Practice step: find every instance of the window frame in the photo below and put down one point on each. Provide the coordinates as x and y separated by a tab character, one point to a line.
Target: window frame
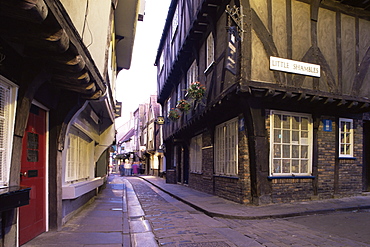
192	74
302	142
351	138
210	51
226	145
175	23
6	140
79	156
195	154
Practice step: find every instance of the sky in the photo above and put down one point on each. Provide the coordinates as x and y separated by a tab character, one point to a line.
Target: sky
134	86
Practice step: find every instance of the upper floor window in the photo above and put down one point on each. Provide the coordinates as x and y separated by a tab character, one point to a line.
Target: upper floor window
161	61
192	74
226	148
168	105
196	154
290	144
345	137
8	92
210	52
175	22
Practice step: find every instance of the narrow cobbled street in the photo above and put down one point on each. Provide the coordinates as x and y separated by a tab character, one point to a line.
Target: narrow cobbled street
146	212
177	224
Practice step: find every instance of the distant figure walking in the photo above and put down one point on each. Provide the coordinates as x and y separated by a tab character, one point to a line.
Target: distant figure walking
121	169
135	167
128	168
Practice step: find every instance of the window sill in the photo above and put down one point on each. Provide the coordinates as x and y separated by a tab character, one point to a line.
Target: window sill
291	177
209	68
75	190
347	158
225	176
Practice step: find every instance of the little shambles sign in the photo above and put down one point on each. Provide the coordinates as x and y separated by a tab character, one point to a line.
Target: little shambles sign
295	67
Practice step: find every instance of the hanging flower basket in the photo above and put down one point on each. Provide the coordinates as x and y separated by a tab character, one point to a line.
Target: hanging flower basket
196	90
183	105
174	114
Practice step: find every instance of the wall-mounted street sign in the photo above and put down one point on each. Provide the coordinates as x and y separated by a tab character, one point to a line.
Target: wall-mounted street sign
295	67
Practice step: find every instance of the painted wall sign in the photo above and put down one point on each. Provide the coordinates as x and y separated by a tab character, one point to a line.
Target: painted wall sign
296	67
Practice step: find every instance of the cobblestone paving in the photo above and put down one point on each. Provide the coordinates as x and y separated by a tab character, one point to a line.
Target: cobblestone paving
279	232
176	224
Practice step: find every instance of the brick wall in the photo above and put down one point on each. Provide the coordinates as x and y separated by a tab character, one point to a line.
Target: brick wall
291	190
327	154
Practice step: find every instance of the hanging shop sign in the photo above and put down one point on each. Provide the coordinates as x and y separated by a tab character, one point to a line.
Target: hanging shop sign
295	67
231	51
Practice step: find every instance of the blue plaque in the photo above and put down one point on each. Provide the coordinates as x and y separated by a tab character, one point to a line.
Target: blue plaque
328	125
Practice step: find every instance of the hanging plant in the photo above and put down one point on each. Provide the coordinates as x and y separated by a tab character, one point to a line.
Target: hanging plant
196	90
183	105
174	114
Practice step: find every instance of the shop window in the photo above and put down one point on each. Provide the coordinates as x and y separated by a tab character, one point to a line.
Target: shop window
345	137
79	156
8	93
226	148
196	154
290	144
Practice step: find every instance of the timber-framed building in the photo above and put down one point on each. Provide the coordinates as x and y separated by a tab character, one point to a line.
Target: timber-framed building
58	65
284	113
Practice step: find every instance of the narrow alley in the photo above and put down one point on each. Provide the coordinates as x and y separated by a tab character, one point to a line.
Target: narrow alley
138	211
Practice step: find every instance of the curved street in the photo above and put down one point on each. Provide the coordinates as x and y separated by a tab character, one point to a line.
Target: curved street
134	212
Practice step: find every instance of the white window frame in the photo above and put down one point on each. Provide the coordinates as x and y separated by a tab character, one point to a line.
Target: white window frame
286	138
195	154
226	148
210	51
169	105
7	117
192	74
347	139
161	62
79	157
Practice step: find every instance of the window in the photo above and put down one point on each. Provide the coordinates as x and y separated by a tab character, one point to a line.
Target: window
161	62
290	144
79	156
8	93
168	105
192	74
175	22
226	148
345	137
196	154
210	52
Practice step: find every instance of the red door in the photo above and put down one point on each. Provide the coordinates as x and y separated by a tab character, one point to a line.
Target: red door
32	219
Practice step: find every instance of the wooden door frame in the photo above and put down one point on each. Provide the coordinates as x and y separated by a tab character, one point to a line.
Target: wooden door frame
366	157
36	103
